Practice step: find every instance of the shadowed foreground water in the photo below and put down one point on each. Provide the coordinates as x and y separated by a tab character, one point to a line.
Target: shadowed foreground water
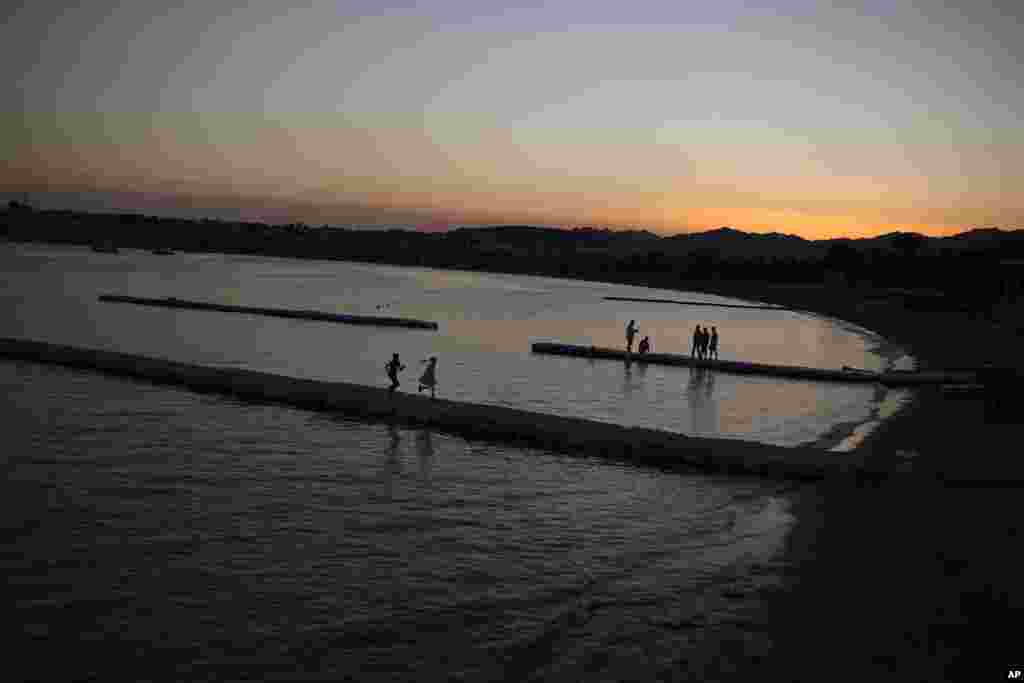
159	534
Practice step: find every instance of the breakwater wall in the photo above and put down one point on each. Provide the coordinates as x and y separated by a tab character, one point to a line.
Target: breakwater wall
171	302
474	421
895	379
684	302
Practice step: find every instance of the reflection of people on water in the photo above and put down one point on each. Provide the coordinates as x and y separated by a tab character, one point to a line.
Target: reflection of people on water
396	438
702	380
429	378
424	450
641	371
629	381
696	378
396	442
699	395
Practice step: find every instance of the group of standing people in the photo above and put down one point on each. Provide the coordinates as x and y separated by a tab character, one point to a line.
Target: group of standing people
428	380
705	343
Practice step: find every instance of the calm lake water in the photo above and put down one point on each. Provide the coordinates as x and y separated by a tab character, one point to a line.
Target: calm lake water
160	534
487	323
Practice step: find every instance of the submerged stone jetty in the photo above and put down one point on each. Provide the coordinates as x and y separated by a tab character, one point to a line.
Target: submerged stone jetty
475	421
171	302
895	378
683	302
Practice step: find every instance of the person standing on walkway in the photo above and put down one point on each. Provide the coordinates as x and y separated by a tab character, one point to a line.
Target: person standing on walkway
429	378
393	367
713	346
696	342
631	330
645	345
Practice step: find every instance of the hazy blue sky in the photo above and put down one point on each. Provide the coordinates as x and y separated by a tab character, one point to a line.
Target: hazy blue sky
793	116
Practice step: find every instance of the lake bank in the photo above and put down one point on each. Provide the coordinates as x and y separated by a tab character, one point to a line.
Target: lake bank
937	340
910	578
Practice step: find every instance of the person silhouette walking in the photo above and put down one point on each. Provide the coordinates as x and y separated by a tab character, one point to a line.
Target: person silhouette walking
631	330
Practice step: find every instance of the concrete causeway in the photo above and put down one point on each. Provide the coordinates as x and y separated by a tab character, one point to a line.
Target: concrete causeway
683	302
894	379
474	421
171	302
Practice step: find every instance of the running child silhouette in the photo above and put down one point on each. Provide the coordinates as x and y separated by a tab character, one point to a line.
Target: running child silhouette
393	367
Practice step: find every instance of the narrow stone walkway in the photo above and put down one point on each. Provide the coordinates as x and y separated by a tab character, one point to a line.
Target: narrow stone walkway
893	379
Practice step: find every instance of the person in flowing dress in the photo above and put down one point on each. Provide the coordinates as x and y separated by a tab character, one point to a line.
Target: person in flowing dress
429	378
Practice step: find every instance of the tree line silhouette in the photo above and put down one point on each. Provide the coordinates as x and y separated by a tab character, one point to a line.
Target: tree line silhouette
959	272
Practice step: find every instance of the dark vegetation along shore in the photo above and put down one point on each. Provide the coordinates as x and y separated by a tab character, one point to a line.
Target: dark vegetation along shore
958	273
897	579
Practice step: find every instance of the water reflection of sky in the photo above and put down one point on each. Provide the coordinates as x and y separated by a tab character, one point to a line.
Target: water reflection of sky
487	323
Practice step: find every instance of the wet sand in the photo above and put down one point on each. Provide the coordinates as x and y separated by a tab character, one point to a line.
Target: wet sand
909	578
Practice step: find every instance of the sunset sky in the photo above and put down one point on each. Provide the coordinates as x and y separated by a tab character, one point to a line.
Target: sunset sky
791	116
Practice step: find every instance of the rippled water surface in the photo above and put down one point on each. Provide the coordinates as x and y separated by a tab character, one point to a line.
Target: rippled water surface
162	534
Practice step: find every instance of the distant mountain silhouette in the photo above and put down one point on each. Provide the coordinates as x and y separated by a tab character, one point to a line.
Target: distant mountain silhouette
732	243
980	237
738	244
587	249
723	242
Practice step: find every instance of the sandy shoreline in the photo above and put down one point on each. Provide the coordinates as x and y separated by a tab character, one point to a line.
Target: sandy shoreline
934	340
908	578
886	401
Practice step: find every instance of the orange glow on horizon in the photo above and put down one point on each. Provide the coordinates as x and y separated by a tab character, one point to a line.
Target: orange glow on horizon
810	226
